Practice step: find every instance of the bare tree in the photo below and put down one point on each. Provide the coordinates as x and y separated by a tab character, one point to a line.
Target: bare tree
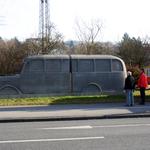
88	34
53	41
11	56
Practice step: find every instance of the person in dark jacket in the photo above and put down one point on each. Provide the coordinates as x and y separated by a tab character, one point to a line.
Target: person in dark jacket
129	88
142	84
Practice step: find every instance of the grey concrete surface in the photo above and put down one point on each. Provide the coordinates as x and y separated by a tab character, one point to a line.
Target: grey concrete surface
72	112
64	74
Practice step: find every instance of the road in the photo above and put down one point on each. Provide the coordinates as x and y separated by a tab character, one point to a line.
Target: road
104	134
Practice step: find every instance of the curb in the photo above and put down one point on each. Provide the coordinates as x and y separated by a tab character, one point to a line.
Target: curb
37	119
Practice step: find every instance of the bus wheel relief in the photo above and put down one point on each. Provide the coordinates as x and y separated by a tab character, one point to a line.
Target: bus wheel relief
9	90
92	88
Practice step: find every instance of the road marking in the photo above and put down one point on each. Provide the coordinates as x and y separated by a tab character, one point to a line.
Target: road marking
51	140
124	125
65	128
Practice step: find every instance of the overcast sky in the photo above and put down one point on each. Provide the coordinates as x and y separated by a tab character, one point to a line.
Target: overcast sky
20	18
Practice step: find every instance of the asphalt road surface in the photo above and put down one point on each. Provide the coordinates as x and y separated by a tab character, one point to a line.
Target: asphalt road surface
107	134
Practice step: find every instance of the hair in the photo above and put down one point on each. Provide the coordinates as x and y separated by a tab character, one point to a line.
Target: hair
142	69
129	73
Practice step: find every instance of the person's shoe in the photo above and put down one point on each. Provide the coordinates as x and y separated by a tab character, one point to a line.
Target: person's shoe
127	105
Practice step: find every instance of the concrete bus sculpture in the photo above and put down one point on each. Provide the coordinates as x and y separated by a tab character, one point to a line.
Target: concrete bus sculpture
64	74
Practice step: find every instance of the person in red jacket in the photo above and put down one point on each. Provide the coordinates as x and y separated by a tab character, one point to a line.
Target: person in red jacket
142	84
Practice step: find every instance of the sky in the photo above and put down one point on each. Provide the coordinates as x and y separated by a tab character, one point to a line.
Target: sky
20	18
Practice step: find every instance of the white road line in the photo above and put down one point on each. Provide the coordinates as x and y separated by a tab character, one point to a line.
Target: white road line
124	125
51	140
67	128
91	127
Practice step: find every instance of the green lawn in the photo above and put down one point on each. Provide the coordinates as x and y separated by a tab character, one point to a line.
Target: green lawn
69	99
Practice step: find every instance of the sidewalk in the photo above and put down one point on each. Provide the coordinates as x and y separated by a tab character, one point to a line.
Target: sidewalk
72	112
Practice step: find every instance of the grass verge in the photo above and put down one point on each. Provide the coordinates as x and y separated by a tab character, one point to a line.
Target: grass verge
69	99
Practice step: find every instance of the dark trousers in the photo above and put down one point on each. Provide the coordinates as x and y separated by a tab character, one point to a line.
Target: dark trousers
142	93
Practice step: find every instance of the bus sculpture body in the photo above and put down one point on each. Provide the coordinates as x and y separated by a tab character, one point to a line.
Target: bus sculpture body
66	75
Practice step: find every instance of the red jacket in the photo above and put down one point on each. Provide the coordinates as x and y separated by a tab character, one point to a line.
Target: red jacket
142	81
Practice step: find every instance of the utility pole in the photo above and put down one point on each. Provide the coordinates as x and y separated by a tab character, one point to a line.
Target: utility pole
44	25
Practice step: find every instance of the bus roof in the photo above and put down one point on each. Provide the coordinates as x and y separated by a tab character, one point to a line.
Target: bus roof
93	57
72	56
48	57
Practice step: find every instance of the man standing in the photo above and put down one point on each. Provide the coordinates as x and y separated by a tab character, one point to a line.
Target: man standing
129	87
142	84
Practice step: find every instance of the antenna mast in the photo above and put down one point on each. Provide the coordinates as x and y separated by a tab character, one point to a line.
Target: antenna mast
44	24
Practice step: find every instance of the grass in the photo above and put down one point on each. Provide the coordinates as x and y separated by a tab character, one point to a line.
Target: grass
69	99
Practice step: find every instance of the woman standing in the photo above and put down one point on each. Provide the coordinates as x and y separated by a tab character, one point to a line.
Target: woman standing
129	88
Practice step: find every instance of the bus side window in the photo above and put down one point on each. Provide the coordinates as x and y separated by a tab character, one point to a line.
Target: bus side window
86	65
74	65
26	67
116	65
65	65
103	65
53	65
35	66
